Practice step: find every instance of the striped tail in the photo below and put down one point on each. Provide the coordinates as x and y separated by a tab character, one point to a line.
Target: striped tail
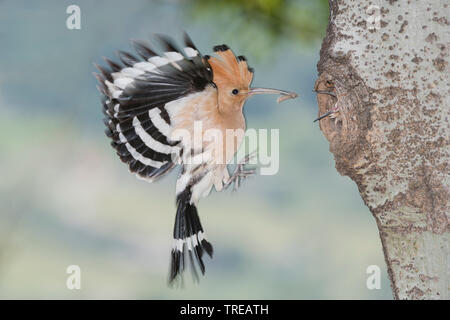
188	234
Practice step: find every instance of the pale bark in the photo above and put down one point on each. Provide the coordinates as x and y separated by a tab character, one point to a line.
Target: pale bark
391	135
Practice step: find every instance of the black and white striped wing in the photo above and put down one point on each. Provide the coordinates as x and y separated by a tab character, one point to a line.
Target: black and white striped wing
135	95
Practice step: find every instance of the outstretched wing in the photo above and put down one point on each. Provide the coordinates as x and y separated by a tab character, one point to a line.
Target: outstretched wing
135	94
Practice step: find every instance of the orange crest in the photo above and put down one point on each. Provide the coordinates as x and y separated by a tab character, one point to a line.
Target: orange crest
230	71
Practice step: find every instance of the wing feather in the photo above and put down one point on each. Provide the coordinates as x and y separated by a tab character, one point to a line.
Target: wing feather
136	92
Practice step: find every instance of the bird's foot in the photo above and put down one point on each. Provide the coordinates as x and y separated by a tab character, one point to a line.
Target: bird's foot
238	176
240	173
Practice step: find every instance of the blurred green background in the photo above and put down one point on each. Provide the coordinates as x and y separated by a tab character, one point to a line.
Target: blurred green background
65	198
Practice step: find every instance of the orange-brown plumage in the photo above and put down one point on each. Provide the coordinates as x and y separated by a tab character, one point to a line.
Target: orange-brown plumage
229	69
219	108
230	73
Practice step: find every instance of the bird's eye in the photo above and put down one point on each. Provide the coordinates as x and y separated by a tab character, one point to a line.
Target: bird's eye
235	91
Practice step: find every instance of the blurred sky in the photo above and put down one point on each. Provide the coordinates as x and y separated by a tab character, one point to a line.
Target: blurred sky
65	198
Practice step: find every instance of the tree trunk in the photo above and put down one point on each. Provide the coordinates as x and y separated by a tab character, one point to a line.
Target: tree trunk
386	63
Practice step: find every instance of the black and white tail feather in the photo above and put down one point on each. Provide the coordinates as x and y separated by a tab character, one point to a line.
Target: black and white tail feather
188	238
135	97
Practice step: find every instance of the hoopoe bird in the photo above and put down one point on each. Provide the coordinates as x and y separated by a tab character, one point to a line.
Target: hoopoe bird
149	101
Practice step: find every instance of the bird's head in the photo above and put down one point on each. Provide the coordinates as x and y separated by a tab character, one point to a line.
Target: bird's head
233	77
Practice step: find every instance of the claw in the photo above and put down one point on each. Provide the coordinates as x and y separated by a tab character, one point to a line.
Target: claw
240	173
249	157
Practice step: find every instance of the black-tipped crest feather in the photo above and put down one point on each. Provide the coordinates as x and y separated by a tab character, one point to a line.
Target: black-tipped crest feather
222	47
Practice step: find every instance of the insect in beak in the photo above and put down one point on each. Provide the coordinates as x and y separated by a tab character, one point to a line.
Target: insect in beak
285	95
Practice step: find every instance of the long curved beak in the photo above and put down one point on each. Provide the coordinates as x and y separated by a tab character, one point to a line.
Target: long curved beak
284	94
253	91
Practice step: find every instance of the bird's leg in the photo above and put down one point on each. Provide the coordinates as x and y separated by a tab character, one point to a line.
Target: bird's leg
240	172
